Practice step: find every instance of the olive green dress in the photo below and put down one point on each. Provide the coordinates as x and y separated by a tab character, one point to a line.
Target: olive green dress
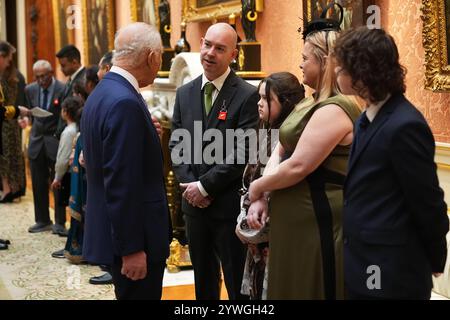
306	253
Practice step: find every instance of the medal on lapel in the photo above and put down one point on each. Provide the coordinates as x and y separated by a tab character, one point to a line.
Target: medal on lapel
223	112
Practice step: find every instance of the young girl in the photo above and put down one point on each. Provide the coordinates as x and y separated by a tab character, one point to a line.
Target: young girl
69	111
279	93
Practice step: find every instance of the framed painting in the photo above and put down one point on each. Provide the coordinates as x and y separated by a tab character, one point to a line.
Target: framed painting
436	42
64	34
98	29
355	11
145	11
203	10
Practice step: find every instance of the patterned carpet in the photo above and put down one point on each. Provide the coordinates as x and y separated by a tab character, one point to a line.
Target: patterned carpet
28	272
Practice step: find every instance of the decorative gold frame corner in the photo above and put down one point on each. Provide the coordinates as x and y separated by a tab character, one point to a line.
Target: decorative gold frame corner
134	11
56	4
435	43
191	13
110	26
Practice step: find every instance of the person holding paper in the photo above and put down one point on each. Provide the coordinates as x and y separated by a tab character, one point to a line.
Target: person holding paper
43	145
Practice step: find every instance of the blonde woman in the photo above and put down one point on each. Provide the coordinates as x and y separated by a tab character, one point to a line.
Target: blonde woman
305	177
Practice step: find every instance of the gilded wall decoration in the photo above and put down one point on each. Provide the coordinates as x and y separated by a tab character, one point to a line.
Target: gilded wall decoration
203	10
436	42
145	11
99	29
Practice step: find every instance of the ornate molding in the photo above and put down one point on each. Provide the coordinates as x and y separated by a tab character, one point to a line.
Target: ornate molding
136	7
437	68
191	12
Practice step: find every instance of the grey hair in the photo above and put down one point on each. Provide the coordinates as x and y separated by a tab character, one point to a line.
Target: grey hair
42	64
143	36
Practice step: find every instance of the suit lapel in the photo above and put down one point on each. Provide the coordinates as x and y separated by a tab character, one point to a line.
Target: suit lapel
224	98
380	119
195	96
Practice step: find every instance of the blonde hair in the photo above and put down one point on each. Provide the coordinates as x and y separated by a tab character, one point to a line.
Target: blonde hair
323	43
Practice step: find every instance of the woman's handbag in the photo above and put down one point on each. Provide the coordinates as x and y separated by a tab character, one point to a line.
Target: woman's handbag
244	231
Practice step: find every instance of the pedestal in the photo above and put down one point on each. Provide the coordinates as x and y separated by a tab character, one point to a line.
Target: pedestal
249	60
167	56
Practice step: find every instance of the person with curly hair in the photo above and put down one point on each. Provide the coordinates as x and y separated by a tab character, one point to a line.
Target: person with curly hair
395	217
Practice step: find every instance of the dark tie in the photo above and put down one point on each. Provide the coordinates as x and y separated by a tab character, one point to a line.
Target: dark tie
67	88
361	129
209	88
45	100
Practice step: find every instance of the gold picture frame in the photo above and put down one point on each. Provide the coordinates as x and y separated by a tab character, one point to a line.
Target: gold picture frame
63	34
98	29
139	15
210	10
355	14
436	42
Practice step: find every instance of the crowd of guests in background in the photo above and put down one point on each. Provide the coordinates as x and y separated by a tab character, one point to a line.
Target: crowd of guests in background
351	182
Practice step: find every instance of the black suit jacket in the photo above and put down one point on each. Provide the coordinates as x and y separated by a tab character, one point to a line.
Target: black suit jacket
68	89
43	129
221	181
68	92
395	216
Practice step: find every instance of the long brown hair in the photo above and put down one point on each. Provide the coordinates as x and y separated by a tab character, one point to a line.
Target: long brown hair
289	92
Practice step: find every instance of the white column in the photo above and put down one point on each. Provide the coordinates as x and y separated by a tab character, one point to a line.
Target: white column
2	20
21	37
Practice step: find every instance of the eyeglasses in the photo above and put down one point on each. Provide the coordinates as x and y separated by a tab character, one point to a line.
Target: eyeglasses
43	76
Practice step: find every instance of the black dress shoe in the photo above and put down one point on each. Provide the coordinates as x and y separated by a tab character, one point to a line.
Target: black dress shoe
58	254
8	198
5	241
40	227
103	279
3	246
105	268
59	229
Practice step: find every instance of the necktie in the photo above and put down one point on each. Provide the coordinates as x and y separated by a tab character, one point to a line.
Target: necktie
208	90
45	100
361	130
67	89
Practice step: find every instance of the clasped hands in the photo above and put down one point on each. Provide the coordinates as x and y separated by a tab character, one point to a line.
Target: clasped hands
193	195
258	212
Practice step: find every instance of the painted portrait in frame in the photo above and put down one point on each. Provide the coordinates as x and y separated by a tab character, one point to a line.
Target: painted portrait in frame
436	43
145	11
63	34
99	29
203	10
355	11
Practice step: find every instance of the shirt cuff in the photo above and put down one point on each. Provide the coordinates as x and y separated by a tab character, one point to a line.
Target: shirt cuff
202	190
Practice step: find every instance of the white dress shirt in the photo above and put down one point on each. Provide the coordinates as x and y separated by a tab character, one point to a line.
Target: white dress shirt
372	110
128	76
218	84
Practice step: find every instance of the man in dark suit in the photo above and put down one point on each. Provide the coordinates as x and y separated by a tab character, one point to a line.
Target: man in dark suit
126	194
43	145
69	59
395	217
220	100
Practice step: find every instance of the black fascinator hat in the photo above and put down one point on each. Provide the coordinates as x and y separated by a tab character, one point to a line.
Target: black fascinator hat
323	23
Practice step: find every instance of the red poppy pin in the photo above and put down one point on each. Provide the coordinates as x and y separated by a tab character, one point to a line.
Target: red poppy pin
56	102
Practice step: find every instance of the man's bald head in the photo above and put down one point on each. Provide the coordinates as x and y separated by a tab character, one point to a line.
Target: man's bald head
218	50
225	30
